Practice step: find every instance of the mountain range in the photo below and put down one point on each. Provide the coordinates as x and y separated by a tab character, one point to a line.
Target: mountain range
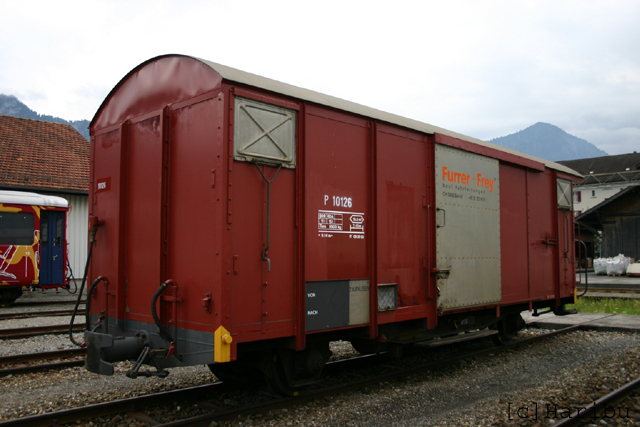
12	106
540	140
549	142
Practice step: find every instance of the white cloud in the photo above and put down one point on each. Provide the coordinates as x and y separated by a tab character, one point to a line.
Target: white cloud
485	68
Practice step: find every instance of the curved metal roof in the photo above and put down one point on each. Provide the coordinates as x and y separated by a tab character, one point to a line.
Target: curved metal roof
238	76
24	198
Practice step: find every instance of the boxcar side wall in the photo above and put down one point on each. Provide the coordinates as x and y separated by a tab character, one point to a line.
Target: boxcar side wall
377	200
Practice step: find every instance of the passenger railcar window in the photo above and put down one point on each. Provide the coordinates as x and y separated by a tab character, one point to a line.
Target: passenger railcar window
264	133
16	228
59	230
44	230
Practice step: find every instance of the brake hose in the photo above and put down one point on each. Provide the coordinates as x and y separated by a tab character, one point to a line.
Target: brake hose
84	279
164	332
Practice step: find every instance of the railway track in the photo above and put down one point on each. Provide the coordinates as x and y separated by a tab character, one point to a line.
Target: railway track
22	363
136	407
43	302
617	290
7	334
602	408
30	314
610	293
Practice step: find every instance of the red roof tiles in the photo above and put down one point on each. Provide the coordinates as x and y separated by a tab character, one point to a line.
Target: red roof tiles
42	155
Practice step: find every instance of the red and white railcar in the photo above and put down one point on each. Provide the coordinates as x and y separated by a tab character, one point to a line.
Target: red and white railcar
33	243
244	221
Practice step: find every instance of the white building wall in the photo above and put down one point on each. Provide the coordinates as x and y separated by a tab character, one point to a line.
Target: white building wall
592	195
78	232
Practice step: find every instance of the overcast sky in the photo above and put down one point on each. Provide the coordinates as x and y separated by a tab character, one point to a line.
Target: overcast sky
481	68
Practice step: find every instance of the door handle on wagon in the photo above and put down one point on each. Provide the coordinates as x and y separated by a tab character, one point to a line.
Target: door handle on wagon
444	218
546	241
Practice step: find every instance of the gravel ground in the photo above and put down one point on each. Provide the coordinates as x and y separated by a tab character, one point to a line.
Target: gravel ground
565	372
43	295
63	301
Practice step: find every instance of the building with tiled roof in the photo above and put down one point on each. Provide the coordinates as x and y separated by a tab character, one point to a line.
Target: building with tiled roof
604	177
49	158
43	156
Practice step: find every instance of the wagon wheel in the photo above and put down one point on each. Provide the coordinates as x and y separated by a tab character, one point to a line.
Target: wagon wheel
291	372
221	371
501	339
233	372
507	328
275	374
368	346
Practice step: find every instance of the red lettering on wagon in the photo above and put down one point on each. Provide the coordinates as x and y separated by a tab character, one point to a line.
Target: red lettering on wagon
466	179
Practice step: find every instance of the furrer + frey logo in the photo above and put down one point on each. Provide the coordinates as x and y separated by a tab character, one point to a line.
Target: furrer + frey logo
466	179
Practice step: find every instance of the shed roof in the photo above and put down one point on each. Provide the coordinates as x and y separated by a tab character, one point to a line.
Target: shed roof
607	169
592	216
41	155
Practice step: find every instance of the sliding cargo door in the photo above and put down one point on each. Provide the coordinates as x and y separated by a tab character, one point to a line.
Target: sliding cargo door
468	228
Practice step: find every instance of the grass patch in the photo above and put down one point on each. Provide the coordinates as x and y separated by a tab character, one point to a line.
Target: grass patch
607	305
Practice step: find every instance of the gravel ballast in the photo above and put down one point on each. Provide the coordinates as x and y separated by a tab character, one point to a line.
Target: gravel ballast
565	371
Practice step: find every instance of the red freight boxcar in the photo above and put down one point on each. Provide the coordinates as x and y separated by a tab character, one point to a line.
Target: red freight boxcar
243	221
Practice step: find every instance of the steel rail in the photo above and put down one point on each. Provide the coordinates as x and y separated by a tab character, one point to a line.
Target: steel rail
39	330
136	404
29	314
597	410
43	302
115	407
612	290
49	355
40	367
